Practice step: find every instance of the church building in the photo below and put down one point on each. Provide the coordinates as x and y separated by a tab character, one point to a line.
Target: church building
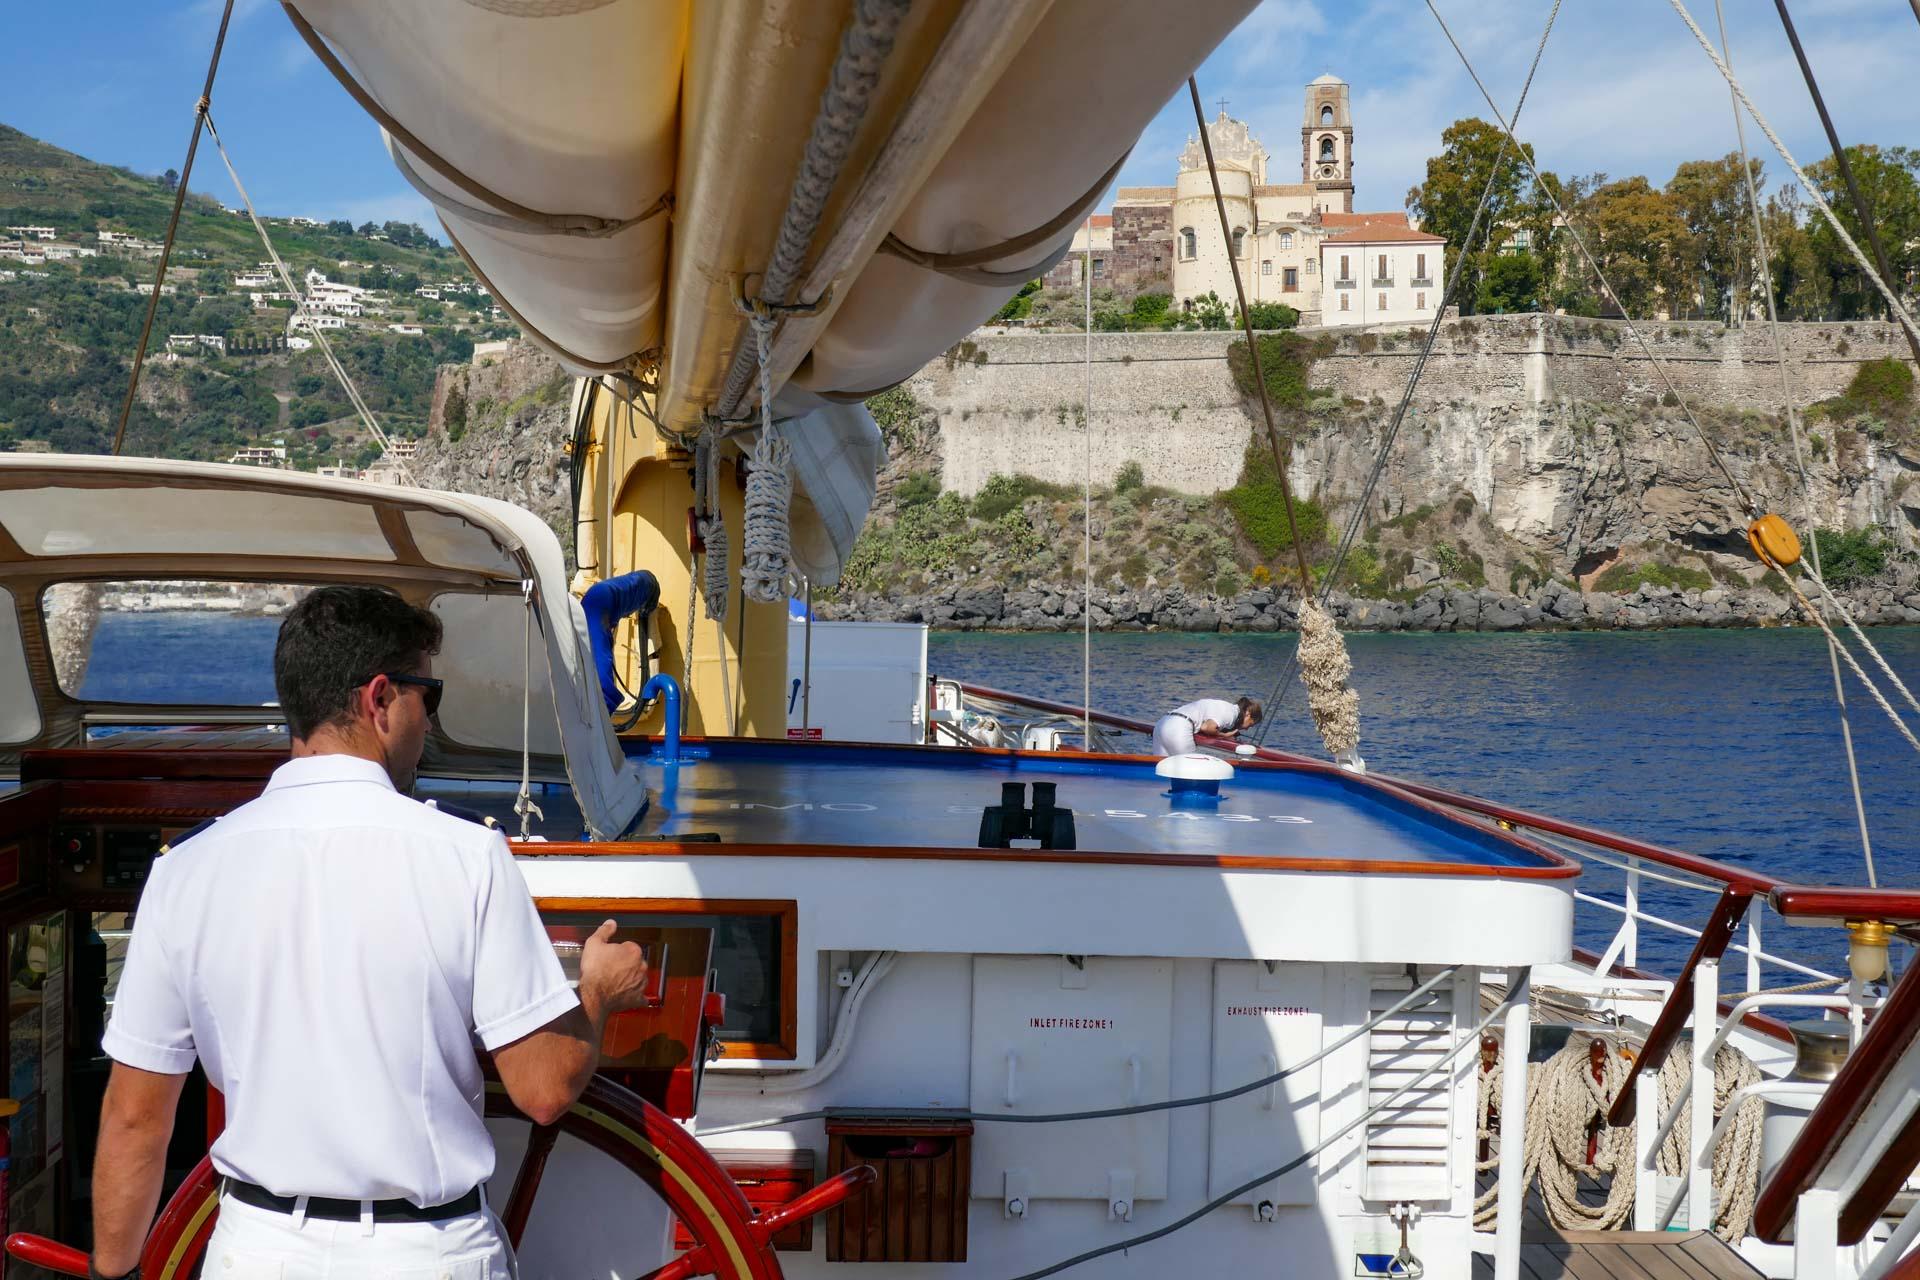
1168	239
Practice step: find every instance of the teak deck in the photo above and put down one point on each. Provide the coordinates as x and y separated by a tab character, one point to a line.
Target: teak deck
1547	1254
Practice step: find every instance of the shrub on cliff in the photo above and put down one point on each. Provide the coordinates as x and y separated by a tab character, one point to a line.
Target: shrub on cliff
1880	389
1850	556
1286	363
1004	493
1261	511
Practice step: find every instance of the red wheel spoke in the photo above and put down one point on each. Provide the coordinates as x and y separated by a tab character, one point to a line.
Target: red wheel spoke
694	1262
822	1198
526	1183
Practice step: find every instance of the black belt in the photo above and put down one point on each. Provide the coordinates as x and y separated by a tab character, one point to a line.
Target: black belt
334	1210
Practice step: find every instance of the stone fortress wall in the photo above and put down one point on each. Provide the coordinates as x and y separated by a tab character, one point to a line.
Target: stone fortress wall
1009	401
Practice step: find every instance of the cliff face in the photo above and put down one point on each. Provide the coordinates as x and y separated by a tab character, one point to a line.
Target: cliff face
500	429
1562	431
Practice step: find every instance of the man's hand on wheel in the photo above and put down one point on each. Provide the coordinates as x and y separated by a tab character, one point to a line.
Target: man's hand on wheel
615	973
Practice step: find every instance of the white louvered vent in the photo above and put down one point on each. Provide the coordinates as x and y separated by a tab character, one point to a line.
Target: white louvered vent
1408	1145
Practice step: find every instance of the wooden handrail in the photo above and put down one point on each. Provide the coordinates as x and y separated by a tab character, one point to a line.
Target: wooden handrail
1710	945
1822	902
1891	1033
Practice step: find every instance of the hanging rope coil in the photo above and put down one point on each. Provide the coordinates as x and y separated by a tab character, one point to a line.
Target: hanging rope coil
1566	1110
767	538
1324	668
712	524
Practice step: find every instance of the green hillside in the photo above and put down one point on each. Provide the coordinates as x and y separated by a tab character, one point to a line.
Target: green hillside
68	328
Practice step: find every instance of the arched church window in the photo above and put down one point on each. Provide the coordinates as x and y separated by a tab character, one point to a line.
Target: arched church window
1188	249
1326	113
1326	148
1239	235
1286	239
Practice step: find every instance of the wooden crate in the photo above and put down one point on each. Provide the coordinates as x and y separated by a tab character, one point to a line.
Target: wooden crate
916	1210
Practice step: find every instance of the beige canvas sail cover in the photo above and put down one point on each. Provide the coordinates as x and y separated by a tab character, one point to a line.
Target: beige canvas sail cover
75	519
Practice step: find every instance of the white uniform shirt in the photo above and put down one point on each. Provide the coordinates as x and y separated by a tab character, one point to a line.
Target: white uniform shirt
331	952
1218	710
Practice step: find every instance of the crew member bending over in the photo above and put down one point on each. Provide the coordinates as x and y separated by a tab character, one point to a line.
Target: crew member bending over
332	952
1174	732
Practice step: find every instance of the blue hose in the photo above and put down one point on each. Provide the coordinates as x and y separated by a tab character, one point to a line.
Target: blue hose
634	594
662	683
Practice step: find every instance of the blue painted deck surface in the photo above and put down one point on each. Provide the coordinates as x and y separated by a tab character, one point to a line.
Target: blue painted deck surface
773	793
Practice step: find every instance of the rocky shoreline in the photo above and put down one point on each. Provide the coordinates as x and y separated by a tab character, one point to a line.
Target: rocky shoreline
1892	600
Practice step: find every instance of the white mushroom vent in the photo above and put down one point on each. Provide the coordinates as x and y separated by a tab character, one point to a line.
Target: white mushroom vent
1194	774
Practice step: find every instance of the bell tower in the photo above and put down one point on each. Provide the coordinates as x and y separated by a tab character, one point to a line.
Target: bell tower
1326	144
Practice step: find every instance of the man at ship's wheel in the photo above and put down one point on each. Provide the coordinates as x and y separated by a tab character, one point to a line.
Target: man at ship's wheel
332	952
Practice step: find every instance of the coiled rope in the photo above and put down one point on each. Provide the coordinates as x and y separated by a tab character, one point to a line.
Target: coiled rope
712	524
1564	1102
767	548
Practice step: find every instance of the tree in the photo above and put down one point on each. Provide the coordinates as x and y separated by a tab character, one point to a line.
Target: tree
1888	185
1511	283
1710	196
340	227
170	179
1636	234
1273	315
1207	313
367	229
1445	203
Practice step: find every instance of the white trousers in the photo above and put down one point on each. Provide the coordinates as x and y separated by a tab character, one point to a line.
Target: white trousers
1173	735
251	1243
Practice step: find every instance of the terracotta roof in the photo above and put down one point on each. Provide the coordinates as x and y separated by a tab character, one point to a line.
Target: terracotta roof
1125	194
1384	233
1102	220
1362	219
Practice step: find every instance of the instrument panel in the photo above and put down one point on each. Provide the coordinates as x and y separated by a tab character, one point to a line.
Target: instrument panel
107	858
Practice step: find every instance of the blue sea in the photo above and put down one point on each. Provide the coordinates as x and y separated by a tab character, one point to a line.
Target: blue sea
1722	743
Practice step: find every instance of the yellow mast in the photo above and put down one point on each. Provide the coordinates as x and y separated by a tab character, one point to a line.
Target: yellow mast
649	485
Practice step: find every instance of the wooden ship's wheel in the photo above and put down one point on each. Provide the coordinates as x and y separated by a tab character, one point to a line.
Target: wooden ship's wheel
729	1241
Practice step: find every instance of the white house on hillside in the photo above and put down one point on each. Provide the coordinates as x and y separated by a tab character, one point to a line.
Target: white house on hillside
1381	274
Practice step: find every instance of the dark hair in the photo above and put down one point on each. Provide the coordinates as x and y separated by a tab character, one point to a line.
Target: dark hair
336	640
1250	712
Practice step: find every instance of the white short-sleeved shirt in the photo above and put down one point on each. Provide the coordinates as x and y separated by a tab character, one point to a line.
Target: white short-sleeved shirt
1218	710
331	952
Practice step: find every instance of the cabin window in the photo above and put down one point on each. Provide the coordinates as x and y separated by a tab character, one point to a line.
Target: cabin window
129	641
1188	247
755	952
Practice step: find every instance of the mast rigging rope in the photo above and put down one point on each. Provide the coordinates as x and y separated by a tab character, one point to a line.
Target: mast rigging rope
1899	310
1593	264
1791	408
200	116
1355	522
300	308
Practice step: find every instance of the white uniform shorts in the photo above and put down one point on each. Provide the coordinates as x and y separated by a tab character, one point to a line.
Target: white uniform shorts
250	1243
1173	735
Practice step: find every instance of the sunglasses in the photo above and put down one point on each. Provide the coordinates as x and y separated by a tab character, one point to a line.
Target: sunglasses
431	689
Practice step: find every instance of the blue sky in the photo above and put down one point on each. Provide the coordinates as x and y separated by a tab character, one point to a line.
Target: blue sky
1622	89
